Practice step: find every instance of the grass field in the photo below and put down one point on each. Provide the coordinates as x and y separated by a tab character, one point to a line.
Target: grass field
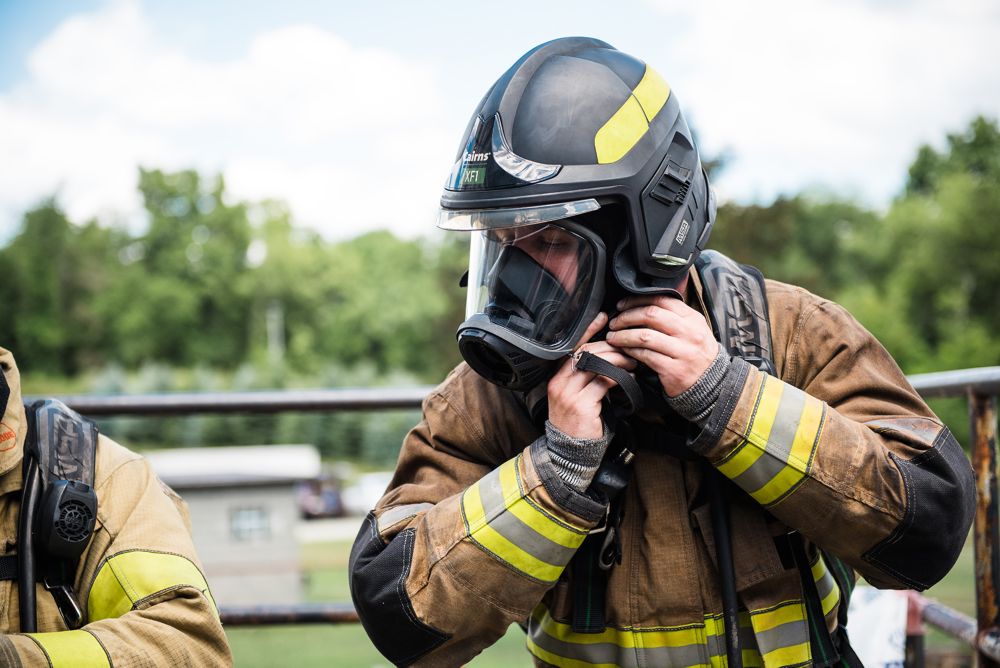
347	646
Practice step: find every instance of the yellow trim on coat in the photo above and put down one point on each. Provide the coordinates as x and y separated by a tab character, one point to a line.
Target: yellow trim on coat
72	649
129	577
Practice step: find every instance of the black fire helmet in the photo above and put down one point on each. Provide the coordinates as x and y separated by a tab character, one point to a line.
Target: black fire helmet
576	125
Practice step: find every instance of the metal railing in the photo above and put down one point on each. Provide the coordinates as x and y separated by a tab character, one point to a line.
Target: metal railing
980	386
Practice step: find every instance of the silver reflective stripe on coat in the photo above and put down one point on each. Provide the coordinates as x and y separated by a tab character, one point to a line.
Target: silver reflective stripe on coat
397	514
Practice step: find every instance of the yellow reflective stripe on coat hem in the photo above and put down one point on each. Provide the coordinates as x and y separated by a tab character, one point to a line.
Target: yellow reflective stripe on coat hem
688	645
128	578
826	585
72	649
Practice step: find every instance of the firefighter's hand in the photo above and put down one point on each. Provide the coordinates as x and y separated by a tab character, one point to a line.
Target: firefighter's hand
668	336
575	396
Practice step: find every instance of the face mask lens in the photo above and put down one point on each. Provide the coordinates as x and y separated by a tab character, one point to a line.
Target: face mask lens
533	281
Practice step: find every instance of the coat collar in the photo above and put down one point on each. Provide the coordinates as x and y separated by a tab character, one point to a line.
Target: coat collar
13	425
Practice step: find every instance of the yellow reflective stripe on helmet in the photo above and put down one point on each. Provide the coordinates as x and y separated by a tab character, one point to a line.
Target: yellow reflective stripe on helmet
622	131
504	522
628	125
129	577
652	93
72	649
777	451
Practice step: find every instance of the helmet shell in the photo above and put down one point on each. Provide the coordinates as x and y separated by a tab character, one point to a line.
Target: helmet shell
576	119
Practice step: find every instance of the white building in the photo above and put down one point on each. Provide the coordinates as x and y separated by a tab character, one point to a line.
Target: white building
243	515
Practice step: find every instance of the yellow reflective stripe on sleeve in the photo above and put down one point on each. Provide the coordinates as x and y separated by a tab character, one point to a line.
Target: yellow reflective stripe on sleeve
747	453
129	577
507	551
504	522
72	649
545	524
798	459
622	131
652	93
530	514
472	508
783	613
777	449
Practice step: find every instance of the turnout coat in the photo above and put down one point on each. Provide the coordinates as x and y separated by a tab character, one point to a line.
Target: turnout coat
139	581
836	452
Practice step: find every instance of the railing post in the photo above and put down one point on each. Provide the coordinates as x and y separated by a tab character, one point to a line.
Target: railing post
983	423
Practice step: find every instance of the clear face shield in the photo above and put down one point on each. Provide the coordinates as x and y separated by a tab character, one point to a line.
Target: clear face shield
533	290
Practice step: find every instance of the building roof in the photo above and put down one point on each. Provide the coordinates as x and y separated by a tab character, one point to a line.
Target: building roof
259	465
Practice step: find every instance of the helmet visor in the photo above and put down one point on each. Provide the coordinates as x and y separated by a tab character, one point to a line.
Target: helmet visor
464	220
534	281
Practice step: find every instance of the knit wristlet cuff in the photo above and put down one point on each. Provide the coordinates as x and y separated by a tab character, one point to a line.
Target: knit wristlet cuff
575	460
696	402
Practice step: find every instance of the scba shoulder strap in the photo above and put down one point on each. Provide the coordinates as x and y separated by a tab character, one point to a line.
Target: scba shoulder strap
737	306
58	506
736	298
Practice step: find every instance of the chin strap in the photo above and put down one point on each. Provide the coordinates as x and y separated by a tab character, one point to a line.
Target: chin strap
633	397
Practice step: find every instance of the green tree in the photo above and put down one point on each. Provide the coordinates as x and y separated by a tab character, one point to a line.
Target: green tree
53	270
975	152
806	241
936	254
382	304
180	298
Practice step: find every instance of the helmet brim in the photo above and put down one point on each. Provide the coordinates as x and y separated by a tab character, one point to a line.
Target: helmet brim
467	220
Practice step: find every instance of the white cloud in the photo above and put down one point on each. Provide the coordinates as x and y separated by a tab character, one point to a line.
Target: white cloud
831	92
303	115
838	93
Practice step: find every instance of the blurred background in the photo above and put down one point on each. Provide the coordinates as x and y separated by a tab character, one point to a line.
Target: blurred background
210	196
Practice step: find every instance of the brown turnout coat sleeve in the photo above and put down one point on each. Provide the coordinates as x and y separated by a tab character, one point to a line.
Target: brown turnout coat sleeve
842	449
474	529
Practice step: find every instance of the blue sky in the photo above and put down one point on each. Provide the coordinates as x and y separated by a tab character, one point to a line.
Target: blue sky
352	111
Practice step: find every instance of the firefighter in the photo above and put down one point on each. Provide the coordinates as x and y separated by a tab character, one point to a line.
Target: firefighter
136	594
652	456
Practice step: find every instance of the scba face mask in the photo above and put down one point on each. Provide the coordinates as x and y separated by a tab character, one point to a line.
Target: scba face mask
533	290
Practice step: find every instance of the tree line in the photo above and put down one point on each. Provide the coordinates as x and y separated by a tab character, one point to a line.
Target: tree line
215	295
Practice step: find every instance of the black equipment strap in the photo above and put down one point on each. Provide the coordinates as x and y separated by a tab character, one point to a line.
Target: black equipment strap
61	453
602	549
737	303
65	443
584	361
737	306
823	651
